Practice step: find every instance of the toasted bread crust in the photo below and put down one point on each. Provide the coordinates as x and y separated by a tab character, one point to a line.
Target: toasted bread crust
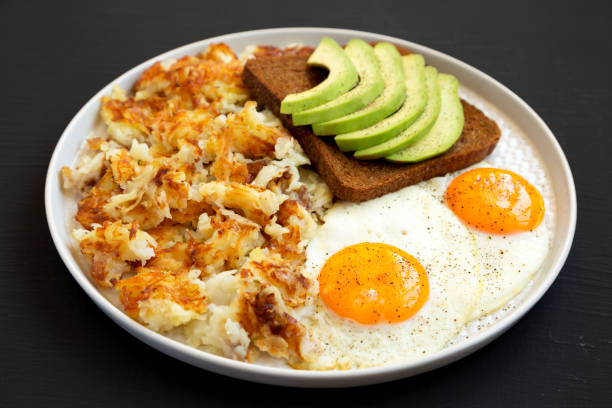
270	79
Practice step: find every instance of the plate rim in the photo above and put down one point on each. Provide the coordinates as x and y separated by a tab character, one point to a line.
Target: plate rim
287	376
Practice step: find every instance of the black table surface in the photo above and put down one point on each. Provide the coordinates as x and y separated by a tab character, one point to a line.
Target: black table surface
59	349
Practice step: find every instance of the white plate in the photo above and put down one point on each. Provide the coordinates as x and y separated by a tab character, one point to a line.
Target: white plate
487	91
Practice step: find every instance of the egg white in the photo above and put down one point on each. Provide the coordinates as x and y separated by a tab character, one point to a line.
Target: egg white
508	262
412	220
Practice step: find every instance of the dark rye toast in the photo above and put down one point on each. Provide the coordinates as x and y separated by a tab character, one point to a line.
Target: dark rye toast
271	78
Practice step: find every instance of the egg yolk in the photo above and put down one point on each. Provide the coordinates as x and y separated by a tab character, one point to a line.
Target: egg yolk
373	283
495	201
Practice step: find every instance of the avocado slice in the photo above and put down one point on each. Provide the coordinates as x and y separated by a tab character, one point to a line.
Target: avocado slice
341	78
414	104
369	87
391	98
446	130
415	131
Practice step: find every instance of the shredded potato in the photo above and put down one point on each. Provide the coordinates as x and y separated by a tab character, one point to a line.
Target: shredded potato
196	210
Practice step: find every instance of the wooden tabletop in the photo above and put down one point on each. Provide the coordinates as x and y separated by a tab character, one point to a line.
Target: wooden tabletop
59	349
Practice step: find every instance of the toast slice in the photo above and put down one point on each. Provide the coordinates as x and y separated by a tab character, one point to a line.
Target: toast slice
271	78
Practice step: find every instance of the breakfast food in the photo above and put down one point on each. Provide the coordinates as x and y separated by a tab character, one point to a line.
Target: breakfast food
369	87
439	138
389	100
201	213
416	130
196	208
413	221
342	77
505	214
411	109
348	178
392	137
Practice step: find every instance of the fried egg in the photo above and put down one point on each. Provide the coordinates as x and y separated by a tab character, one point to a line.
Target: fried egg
394	279
504	213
